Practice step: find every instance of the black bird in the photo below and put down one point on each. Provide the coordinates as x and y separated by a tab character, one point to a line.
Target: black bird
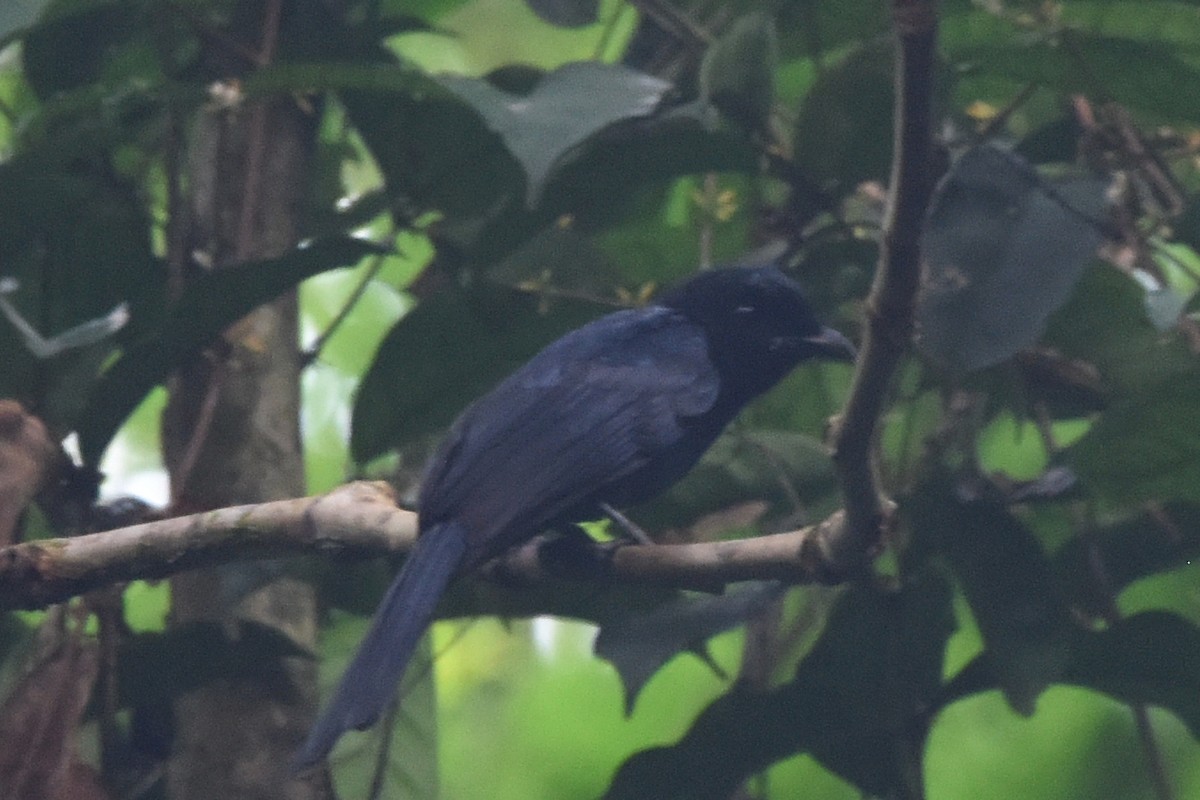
609	415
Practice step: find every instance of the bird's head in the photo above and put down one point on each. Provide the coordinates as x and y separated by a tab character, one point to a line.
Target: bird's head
757	322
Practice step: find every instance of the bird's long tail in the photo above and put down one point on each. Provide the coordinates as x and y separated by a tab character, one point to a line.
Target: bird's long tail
405	612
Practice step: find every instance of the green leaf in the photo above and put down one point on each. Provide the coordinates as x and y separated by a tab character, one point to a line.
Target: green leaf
158	667
329	76
435	151
638	645
856	702
207	307
1146	446
1080	61
1106	323
1148	658
1008	583
444	354
1127	551
16	15
843	131
77	240
1003	249
737	74
1171	24
566	13
816	28
594	178
566	107
74	45
744	466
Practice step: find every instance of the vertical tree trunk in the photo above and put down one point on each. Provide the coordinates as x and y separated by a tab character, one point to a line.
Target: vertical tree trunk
231	435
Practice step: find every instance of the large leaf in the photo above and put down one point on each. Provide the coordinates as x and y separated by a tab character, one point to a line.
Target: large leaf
1081	61
435	151
747	465
738	72
77	240
596	177
1127	551
74	45
1008	583
640	644
856	702
566	107
1106	324
566	13
1148	658
1003	248
815	28
207	307
444	354
1166	23
17	14
843	131
1146	446
161	666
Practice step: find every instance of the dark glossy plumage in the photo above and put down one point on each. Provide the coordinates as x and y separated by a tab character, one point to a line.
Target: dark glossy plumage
613	413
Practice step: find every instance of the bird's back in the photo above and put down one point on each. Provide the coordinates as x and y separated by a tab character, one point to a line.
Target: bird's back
590	418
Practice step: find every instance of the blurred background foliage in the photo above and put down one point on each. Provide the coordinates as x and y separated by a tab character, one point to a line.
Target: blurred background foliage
492	173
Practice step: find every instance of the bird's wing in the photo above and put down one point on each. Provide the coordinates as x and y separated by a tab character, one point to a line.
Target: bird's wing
591	409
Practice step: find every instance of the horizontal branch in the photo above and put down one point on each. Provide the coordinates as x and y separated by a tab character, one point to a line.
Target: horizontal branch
362	520
357	519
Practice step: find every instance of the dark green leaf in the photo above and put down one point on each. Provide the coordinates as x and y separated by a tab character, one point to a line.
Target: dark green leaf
1172	24
72	47
434	149
16	635
640	644
1127	551
1105	323
643	152
444	354
1080	61
566	107
564	259
738	72
158	667
76	239
1008	583
16	15
856	701
1148	658
207	307
747	465
432	10
334	76
566	13
816	28
1146	446
1003	249
844	128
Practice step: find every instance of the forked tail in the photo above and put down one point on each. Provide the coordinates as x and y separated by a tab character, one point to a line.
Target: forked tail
370	681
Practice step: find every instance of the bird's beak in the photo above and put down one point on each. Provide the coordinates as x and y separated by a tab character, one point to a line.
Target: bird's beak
831	344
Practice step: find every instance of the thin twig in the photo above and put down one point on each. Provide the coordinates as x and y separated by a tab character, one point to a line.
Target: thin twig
204	419
314	352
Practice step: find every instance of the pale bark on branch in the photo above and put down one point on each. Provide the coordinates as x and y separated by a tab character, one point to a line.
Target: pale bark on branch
360	520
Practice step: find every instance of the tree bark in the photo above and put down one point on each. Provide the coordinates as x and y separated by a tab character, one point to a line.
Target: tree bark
231	435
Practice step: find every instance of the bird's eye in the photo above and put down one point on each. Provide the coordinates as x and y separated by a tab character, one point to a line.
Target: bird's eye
744	310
